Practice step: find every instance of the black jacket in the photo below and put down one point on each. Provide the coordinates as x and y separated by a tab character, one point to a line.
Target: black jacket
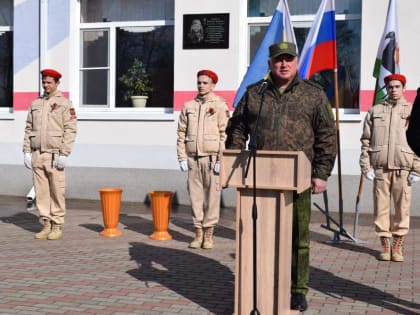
413	131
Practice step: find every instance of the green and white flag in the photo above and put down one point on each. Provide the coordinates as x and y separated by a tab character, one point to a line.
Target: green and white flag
387	58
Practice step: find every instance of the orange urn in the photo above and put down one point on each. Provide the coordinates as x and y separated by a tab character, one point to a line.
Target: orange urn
161	208
111	202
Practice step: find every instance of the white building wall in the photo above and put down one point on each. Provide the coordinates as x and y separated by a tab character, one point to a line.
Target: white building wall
140	155
223	61
373	23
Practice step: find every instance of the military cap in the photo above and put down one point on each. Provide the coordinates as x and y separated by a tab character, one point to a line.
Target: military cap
395	76
210	74
51	73
282	48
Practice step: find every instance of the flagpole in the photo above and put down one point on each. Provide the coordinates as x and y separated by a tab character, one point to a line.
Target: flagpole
361	179
337	124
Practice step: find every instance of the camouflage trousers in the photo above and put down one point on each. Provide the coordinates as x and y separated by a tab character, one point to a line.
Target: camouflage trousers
300	241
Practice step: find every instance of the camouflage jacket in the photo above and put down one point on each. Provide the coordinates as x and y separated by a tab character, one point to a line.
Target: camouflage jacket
299	119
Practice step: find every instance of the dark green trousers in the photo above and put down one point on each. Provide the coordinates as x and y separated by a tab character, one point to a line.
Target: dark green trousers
300	241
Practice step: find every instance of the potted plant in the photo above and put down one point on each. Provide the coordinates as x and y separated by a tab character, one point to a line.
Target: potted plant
137	83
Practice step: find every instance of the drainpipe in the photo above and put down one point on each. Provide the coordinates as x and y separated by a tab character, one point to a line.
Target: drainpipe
43	36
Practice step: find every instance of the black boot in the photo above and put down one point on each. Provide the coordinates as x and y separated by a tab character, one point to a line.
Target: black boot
298	302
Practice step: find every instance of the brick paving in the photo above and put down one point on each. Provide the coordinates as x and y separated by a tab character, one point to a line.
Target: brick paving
85	273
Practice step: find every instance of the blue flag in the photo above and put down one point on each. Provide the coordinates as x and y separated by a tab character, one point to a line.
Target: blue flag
280	29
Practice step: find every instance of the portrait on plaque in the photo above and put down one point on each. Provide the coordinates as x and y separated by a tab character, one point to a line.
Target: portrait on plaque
206	31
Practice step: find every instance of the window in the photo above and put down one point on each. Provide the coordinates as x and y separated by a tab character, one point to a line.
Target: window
94	72
116	34
6	53
348	31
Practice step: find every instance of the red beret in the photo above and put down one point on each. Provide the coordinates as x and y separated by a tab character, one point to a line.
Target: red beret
395	76
51	73
210	74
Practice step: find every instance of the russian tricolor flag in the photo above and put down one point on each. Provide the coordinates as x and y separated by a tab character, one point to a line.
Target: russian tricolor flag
280	29
320	51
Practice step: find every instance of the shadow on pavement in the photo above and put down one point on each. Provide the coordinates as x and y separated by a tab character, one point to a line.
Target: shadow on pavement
93	227
346	245
199	279
144	226
330	284
25	220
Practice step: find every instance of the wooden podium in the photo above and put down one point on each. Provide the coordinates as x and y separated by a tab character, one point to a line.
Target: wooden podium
279	173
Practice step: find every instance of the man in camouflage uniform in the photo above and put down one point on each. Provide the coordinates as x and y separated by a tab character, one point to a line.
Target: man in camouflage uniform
201	138
295	116
50	133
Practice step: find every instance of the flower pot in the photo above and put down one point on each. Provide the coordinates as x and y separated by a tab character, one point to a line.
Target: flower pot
111	202
161	207
139	101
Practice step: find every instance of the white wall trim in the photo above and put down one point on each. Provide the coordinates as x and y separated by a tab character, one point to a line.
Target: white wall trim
161	114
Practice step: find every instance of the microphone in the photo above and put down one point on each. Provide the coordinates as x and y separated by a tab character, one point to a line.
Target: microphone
263	87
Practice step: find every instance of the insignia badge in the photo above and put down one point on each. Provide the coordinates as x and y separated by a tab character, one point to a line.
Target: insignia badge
73	113
283	46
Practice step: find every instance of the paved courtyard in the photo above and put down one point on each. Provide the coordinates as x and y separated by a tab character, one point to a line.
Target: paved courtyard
85	273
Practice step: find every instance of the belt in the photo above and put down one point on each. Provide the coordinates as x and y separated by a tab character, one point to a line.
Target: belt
198	157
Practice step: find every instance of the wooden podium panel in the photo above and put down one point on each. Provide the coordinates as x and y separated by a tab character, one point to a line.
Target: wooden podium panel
273	253
279	173
279	170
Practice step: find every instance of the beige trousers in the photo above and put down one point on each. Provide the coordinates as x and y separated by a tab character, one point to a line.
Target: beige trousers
391	184
203	191
49	186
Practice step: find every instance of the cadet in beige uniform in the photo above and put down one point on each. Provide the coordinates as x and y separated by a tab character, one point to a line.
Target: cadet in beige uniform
387	159
201	138
50	133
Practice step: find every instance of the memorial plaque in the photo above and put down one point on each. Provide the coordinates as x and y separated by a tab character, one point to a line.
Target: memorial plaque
206	31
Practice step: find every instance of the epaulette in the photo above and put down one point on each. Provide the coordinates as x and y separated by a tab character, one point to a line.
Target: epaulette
313	83
254	84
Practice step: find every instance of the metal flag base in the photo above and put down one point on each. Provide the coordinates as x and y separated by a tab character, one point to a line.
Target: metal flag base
337	232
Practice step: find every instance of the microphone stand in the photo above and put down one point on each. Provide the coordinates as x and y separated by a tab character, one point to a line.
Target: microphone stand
253	155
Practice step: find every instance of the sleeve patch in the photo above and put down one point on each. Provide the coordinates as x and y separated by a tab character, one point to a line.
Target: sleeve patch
73	113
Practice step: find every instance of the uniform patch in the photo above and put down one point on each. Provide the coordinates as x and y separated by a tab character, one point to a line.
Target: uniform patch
54	106
330	112
73	113
227	114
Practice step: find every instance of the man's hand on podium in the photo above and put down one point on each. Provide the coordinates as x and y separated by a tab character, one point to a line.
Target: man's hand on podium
318	185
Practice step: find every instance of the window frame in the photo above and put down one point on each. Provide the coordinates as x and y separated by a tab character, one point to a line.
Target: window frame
6	112
111	112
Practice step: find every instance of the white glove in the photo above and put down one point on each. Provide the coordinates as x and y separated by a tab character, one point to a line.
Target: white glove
61	162
217	168
27	159
30	197
370	175
183	165
412	179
